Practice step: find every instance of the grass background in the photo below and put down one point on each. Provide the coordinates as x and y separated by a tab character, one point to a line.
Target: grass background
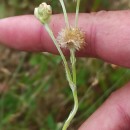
34	94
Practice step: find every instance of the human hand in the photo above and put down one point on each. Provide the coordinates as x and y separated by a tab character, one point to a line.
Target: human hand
107	36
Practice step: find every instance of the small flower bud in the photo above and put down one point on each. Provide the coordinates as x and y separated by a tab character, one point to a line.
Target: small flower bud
43	12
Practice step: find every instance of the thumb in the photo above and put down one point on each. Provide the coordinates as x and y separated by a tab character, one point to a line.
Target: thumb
114	114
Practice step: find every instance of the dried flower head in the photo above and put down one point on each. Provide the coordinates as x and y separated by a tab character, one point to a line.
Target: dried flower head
71	38
43	12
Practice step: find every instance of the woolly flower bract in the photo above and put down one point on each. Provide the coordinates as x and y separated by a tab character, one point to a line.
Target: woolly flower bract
71	38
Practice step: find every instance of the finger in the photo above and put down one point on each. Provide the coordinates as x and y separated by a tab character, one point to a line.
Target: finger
114	114
107	34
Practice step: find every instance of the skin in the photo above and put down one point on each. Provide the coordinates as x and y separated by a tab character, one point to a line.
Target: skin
107	38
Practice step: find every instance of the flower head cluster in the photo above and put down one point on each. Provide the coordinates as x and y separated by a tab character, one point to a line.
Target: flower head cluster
43	12
71	38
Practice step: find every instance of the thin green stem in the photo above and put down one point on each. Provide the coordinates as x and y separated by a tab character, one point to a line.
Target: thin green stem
77	13
65	13
68	74
73	62
74	90
74	111
69	77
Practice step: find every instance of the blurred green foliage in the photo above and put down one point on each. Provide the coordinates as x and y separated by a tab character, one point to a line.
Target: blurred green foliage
38	96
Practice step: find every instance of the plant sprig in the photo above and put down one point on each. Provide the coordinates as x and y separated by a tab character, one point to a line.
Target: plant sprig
71	38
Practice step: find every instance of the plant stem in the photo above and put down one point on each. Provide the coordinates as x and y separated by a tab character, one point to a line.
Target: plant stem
68	74
74	90
65	13
72	82
77	13
73	112
73	62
